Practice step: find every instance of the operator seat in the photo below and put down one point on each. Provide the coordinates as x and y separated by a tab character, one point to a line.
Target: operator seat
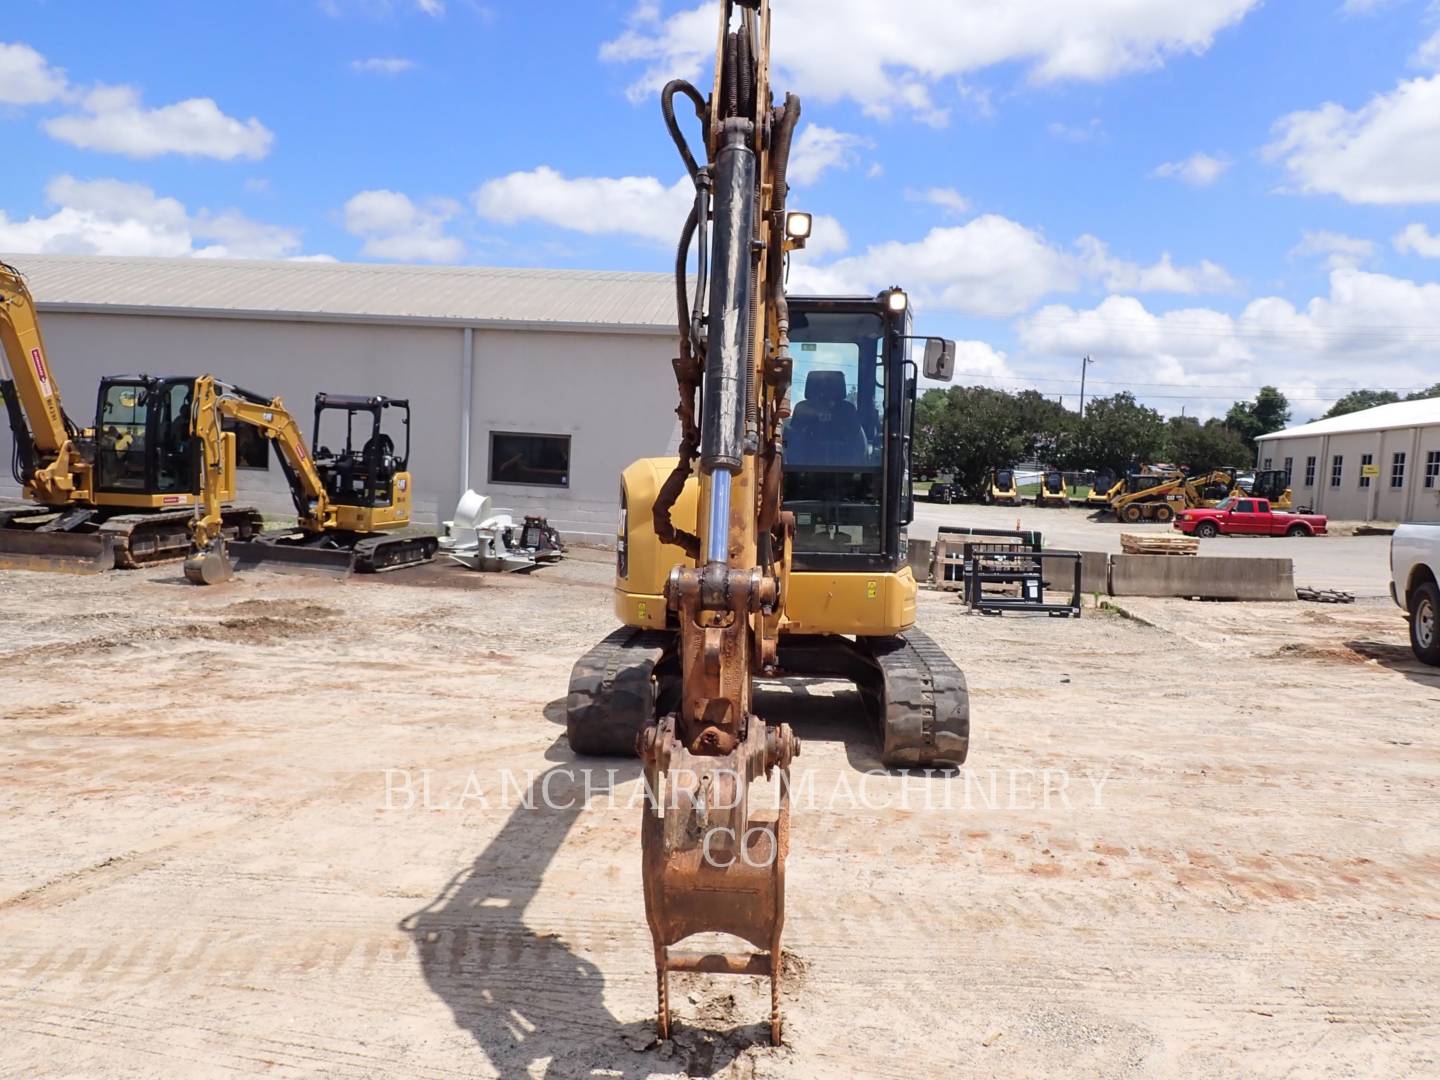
825	428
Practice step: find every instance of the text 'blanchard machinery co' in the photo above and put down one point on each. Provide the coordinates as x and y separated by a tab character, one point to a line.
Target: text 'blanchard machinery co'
722	578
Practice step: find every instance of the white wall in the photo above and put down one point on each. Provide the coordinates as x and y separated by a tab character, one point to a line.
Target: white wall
1350	501
613	394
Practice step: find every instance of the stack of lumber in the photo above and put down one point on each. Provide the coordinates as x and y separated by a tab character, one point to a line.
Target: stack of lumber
1158	544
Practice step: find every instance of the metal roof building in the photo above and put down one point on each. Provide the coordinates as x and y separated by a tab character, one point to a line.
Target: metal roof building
534	386
1380	464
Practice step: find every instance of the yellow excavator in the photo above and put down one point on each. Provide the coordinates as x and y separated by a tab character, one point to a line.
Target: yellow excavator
349	503
116	494
772	546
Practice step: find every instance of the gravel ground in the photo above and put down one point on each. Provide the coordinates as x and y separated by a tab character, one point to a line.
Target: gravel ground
278	828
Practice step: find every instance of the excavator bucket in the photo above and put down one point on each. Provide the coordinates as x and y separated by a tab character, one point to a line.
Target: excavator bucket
712	865
56	552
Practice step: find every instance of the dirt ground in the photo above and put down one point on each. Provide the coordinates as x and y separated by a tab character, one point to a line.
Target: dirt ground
1201	841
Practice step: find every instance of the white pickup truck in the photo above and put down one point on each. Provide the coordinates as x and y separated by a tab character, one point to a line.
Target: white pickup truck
1415	585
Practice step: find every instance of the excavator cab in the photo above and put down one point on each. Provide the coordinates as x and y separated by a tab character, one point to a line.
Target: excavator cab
363	473
143	443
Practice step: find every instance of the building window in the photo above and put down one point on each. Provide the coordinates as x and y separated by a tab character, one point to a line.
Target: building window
1337	470
1268	463
1309	472
1432	468
1289	470
529	459
1397	471
1366	460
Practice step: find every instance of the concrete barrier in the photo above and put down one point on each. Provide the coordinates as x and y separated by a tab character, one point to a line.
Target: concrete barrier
1095	572
1202	577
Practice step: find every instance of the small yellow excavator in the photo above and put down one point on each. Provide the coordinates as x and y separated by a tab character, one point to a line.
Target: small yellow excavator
349	503
784	556
1003	491
117	494
1053	491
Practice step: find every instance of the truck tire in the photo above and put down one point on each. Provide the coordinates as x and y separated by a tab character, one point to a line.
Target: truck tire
1207	529
1425	622
1297	530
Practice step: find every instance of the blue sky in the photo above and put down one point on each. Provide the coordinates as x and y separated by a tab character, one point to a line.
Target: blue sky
1205	195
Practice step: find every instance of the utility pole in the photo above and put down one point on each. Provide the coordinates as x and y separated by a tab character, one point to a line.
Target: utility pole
1084	366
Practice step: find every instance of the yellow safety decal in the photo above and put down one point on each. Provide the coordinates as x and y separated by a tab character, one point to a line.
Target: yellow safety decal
872	590
644	610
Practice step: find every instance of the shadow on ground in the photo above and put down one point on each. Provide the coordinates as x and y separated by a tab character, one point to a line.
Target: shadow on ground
1398	658
533	1005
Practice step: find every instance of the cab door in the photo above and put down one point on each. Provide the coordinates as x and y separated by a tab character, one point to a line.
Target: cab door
1244	521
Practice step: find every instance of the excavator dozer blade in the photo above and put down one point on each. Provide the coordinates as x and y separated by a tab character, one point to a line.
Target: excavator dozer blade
291	558
56	552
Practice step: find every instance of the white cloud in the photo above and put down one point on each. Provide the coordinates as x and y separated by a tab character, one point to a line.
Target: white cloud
393	226
947	198
1164	276
827	237
990	266
994	267
1198	170
638	206
1418	240
26	78
1428	54
110	217
1075	133
1337	248
818	149
115	121
382	65
891	57
1315	353
1386	152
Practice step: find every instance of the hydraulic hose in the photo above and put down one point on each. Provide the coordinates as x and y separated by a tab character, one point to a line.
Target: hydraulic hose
667	107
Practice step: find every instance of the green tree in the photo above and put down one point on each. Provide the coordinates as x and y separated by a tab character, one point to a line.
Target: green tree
1270	411
1117	432
1357	400
1421	395
1203	447
966	431
1048	427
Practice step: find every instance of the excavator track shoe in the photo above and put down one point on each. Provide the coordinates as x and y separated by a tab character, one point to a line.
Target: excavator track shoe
922	704
612	692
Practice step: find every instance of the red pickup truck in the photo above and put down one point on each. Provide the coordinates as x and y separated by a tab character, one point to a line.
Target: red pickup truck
1248	517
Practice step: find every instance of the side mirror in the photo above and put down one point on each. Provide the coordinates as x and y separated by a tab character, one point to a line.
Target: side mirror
939	359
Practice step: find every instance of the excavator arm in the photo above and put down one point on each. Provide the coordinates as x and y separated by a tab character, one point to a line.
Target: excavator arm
47	460
214	404
711	863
